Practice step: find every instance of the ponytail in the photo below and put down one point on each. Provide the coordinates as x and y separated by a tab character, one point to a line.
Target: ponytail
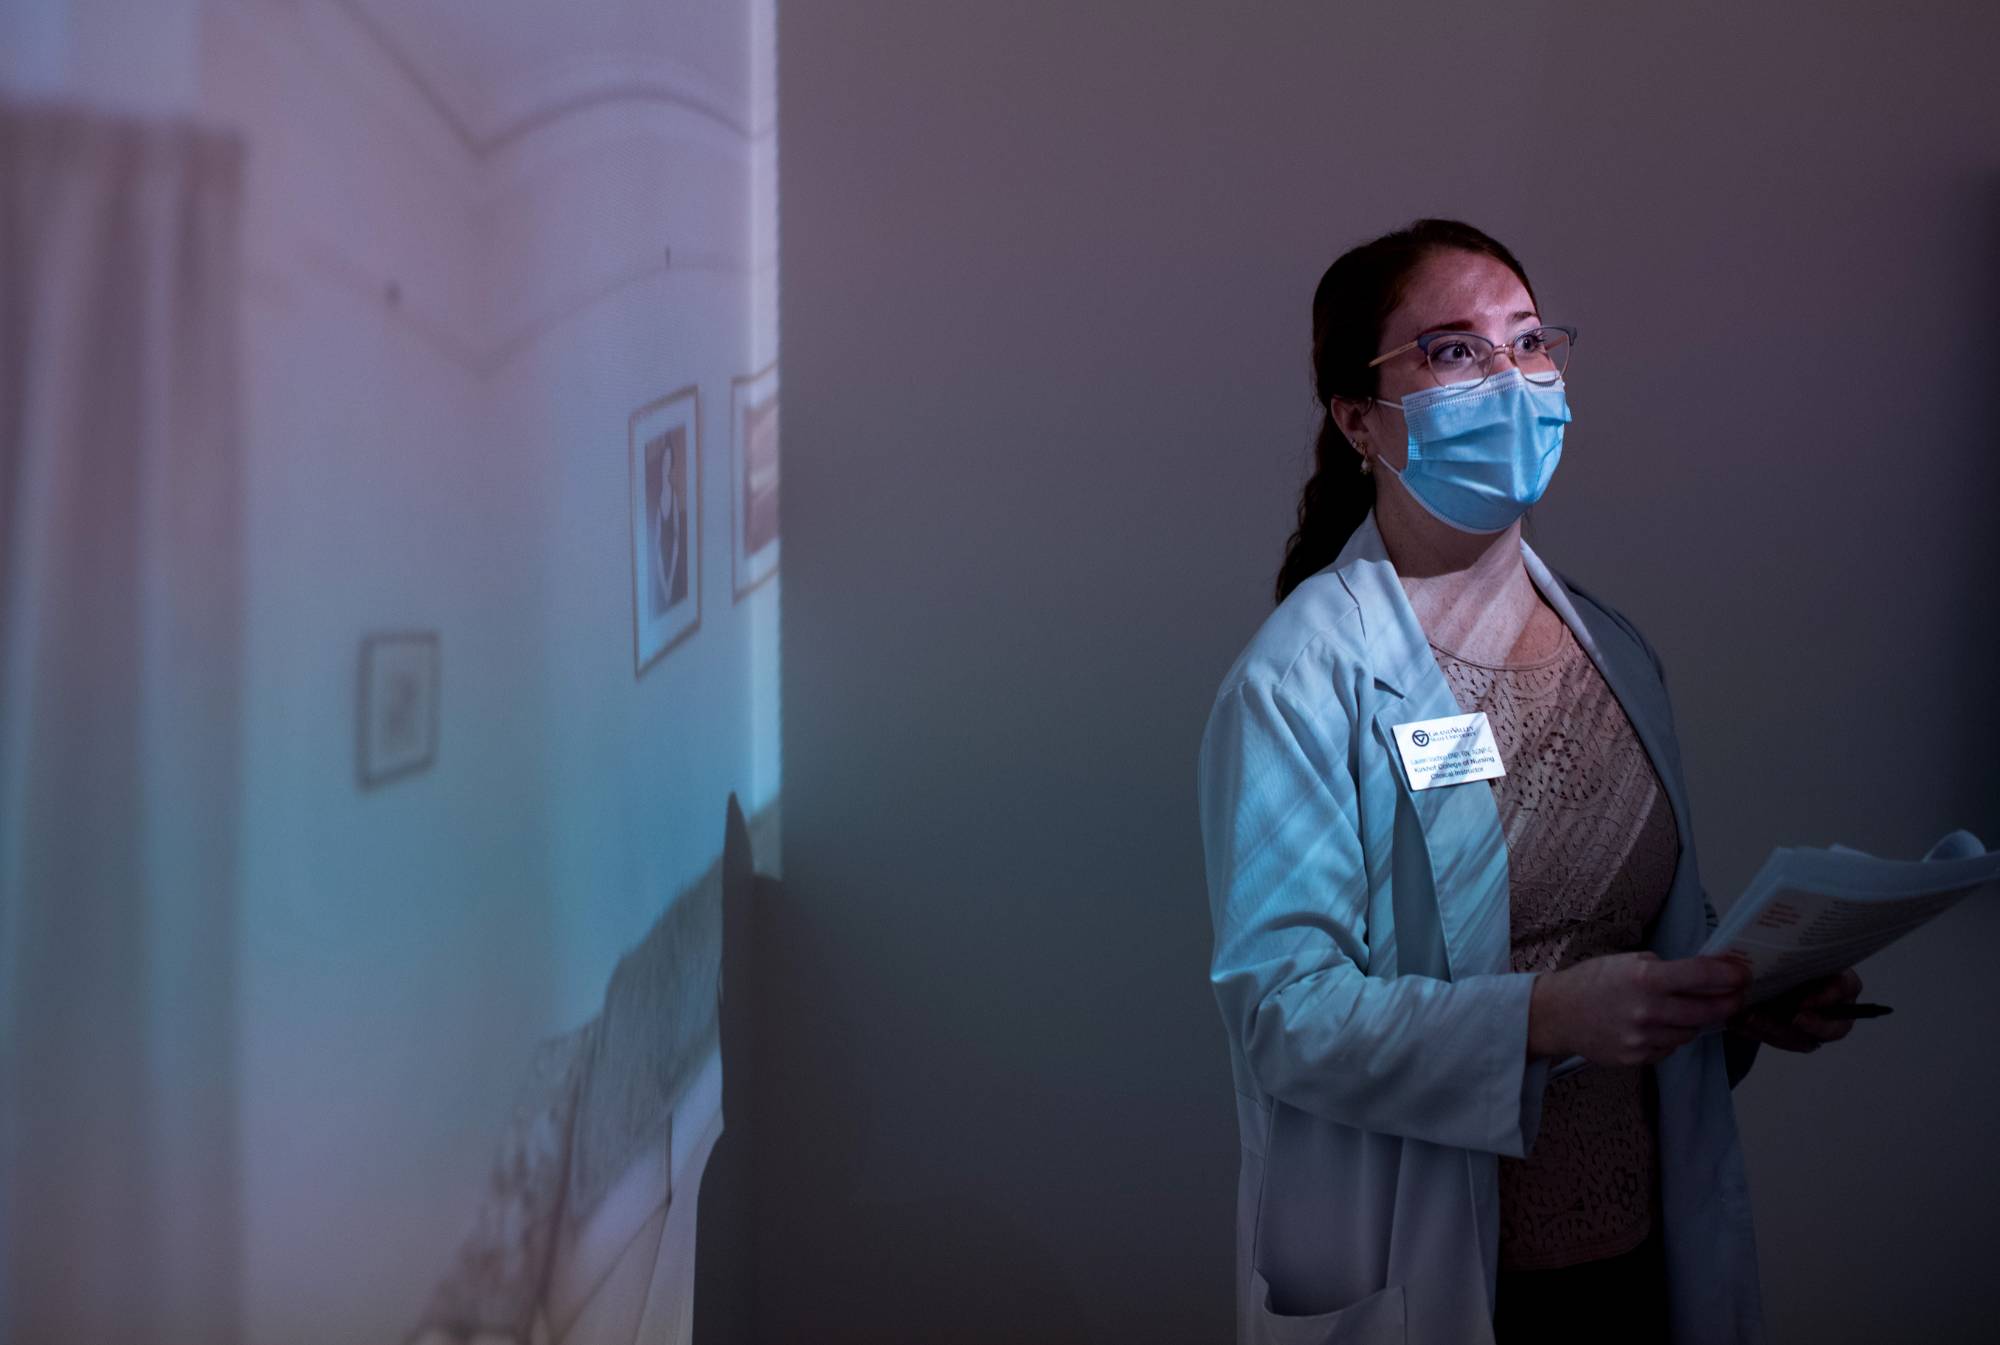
1335	501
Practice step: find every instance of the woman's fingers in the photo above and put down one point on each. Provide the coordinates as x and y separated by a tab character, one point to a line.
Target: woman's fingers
1697	994
1782	1033
1700	976
1693	1013
1824	1029
1840	987
1638	1008
1843	987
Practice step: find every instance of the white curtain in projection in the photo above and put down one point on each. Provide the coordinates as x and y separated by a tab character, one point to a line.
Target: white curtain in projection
120	588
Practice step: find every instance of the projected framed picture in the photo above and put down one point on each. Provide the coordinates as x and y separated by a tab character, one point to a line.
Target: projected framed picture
664	452
753	479
400	673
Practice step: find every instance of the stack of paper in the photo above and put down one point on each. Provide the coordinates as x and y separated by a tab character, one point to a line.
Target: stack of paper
1810	912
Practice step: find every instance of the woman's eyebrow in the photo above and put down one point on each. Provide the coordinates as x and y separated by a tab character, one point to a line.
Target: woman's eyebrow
1465	324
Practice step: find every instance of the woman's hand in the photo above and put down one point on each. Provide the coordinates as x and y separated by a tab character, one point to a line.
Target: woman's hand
1788	1021
1632	1008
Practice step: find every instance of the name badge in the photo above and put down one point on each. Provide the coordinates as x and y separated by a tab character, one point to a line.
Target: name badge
1448	751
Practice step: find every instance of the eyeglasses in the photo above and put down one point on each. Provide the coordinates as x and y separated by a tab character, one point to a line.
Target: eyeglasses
1467	357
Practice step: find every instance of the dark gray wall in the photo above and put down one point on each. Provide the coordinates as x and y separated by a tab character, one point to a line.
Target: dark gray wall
1047	271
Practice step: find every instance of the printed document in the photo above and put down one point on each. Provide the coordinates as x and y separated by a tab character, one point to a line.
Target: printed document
1809	912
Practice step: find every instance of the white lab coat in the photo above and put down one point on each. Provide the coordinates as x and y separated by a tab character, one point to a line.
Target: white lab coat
1378	1037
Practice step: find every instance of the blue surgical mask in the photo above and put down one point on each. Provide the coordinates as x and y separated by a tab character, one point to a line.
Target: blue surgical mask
1479	458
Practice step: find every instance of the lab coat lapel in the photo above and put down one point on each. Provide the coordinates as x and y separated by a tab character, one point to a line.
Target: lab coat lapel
1466	853
1678	930
1462	839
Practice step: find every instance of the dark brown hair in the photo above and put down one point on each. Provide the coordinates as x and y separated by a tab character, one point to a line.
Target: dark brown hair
1354	300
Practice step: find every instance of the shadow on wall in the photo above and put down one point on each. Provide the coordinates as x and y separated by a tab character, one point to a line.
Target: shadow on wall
1981	783
725	1280
945	1269
587	1232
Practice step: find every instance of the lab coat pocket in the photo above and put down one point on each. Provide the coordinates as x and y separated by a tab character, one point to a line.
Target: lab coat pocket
1374	1320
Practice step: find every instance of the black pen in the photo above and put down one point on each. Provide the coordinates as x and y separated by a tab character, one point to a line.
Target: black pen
1850	1010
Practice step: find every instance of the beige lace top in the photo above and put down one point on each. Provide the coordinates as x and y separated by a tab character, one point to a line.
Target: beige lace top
1591	849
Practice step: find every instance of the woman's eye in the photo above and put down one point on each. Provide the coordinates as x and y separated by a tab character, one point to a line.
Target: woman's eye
1530	343
1451	352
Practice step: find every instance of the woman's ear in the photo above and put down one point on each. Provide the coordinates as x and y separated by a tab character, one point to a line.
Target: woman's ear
1348	417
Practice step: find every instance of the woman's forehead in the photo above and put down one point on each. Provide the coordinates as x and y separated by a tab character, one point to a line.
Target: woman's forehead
1451	286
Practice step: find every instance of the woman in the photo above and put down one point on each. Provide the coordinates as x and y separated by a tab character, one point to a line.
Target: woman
1401	961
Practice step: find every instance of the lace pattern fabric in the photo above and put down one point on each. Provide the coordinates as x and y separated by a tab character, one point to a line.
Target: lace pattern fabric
1591	850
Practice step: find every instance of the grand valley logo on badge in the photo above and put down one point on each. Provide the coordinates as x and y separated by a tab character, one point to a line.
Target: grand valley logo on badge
1448	751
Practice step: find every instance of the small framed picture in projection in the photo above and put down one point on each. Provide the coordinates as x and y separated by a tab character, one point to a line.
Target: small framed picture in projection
664	449
400	676
753	479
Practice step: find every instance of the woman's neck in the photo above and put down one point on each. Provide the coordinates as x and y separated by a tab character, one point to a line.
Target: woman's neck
1470	591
